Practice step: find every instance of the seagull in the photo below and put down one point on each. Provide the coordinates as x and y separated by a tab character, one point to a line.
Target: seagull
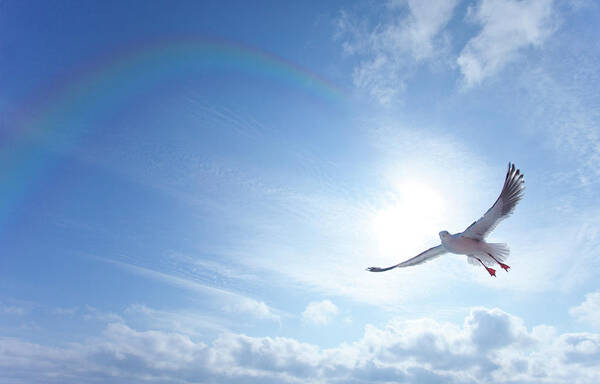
471	241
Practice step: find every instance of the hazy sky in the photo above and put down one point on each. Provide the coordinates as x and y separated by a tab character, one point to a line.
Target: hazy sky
191	191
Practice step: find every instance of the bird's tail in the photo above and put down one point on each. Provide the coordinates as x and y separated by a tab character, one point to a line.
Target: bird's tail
499	251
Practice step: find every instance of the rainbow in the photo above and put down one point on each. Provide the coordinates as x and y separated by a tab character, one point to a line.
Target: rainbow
53	121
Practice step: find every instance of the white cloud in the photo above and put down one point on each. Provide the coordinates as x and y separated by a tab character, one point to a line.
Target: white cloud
491	346
391	49
508	27
320	312
257	309
589	310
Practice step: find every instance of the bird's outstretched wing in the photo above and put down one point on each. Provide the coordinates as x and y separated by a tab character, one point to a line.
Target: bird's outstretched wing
512	192
422	257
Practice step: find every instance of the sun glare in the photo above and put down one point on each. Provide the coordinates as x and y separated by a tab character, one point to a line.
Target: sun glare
410	220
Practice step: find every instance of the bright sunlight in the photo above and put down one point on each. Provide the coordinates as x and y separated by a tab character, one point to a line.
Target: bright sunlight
410	220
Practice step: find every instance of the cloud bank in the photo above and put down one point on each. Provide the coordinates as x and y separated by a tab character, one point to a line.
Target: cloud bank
490	346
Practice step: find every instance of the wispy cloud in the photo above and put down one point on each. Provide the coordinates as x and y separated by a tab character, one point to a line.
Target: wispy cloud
507	28
547	264
564	114
409	163
181	321
240	302
95	314
414	33
65	311
12	310
390	50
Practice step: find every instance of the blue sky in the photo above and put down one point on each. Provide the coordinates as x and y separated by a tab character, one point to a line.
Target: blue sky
191	192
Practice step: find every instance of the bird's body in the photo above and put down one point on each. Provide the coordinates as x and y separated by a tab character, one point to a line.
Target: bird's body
460	244
471	241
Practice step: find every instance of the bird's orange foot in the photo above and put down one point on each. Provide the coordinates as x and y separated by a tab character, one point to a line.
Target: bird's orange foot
504	266
491	271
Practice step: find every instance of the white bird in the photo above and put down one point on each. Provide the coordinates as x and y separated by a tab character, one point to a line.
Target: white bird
471	241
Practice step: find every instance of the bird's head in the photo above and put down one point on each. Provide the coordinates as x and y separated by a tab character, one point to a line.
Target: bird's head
444	235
